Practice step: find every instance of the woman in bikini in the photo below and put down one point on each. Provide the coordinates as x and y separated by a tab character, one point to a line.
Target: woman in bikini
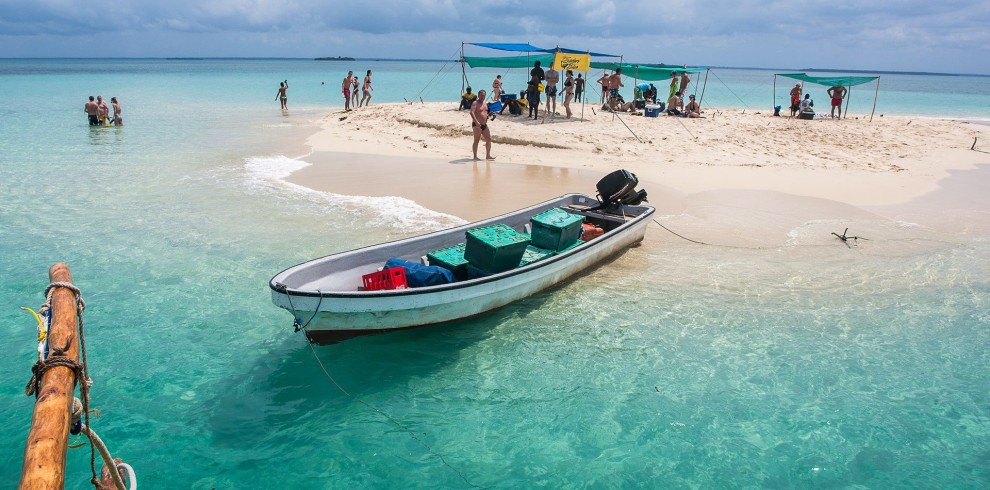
355	96
497	88
366	90
568	91
479	125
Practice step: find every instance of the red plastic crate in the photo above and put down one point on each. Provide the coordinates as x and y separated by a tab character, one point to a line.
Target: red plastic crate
394	278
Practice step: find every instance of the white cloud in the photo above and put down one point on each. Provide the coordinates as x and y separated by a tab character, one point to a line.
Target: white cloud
889	34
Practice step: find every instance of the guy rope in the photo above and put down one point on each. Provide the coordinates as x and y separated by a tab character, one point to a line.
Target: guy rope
56	411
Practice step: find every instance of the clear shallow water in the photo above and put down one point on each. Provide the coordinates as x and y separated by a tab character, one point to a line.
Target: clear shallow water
676	366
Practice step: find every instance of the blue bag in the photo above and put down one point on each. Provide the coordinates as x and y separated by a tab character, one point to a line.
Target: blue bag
419	275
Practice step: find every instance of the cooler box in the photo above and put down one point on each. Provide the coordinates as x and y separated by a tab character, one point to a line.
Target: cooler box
452	259
494	248
555	229
651	110
505	98
806	115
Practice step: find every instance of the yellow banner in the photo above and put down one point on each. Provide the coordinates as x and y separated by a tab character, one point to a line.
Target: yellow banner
576	62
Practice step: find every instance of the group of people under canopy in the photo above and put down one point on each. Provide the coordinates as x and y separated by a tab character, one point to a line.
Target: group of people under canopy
839	89
565	59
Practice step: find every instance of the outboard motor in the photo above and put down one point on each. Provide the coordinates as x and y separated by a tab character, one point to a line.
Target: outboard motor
617	189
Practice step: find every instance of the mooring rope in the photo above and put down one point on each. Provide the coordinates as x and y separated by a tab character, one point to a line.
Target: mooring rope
385	414
302	326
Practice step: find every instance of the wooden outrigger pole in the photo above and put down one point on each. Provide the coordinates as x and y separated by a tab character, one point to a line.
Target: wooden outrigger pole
47	442
56	411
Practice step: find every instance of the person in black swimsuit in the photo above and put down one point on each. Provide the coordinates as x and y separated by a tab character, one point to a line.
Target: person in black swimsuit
479	125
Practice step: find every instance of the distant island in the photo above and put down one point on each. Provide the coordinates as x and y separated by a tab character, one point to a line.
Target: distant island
336	58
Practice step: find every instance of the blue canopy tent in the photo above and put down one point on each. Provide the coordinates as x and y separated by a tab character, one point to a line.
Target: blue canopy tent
546	56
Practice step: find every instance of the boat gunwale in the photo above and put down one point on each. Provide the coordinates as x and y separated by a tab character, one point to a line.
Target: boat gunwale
618	231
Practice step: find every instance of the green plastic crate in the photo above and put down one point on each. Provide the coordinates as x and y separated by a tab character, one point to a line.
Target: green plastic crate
575	244
534	254
494	248
452	259
556	229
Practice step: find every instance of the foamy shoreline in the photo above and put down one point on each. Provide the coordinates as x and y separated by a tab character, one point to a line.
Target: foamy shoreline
423	152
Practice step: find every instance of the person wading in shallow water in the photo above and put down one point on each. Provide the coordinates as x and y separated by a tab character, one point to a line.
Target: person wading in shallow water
281	95
479	125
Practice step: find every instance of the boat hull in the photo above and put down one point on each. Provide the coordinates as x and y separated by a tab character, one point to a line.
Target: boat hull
333	316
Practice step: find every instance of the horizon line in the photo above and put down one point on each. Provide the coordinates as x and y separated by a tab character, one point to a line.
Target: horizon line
331	59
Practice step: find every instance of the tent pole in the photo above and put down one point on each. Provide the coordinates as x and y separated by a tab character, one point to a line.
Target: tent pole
463	71
703	87
875	99
849	94
774	90
584	94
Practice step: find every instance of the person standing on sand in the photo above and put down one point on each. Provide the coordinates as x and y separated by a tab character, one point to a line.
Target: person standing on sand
497	88
553	77
281	95
614	82
673	84
479	125
92	112
345	88
118	118
795	99
579	88
355	94
568	92
603	81
536	77
366	90
685	81
837	93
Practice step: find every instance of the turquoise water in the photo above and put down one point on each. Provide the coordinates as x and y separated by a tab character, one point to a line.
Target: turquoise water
677	365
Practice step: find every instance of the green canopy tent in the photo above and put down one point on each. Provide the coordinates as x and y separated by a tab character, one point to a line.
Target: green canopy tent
835	81
651	72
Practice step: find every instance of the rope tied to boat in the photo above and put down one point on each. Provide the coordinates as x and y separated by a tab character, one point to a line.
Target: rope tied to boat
80	407
56	359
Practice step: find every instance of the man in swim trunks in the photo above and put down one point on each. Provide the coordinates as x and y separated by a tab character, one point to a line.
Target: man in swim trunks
479	125
837	93
281	96
92	111
104	110
553	77
614	82
345	88
603	81
579	89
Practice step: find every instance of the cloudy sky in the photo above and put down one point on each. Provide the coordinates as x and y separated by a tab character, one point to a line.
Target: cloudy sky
911	35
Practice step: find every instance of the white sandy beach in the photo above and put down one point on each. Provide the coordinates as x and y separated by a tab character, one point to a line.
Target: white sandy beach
773	172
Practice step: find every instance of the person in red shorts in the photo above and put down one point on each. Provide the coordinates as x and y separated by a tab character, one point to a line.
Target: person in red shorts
837	93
